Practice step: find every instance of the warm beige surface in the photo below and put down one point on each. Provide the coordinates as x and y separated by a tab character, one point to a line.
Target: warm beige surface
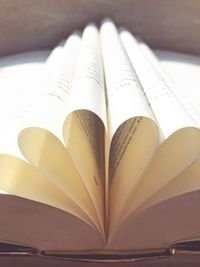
34	24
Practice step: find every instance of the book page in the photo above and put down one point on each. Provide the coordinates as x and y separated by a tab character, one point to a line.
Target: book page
183	71
160	226
171	159
86	124
52	230
41	139
17	103
185	182
19	178
157	88
121	80
50	108
16	74
131	123
189	113
182	146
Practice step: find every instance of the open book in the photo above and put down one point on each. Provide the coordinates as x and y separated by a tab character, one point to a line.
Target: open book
100	148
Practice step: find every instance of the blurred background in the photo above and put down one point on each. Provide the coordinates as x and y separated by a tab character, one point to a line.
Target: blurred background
27	25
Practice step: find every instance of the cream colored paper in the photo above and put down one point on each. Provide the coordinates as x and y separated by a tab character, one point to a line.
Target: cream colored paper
34	111
86	123
183	72
131	123
177	116
20	80
122	83
182	147
19	178
50	108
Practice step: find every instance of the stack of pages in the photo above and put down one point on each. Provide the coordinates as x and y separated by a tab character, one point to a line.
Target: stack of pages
100	145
